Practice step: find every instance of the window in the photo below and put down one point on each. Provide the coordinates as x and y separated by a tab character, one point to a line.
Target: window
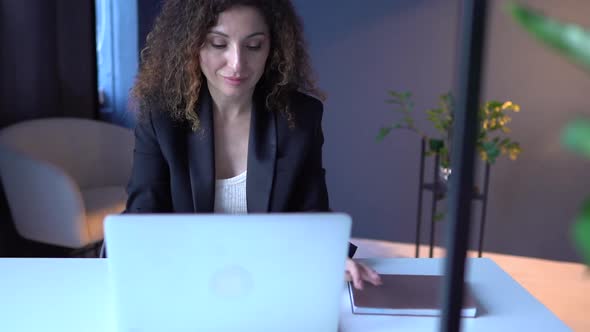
117	56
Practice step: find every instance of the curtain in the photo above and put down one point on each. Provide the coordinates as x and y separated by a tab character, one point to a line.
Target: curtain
47	69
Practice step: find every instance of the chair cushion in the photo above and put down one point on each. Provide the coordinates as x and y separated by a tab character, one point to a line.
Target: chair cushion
76	146
99	202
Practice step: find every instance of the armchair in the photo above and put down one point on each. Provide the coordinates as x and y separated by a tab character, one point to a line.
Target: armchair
62	176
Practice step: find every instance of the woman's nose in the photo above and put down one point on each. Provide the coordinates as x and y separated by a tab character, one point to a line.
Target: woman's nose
236	59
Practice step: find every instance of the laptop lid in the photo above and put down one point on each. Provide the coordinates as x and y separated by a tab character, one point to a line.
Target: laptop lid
215	272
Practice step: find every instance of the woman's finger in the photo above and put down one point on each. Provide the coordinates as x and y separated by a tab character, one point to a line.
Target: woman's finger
369	274
355	273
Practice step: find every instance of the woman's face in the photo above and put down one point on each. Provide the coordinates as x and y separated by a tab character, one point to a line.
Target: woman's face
235	52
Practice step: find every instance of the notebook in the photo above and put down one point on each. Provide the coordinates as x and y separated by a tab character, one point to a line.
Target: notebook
411	295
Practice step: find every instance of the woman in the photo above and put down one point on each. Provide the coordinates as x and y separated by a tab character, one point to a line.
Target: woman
226	123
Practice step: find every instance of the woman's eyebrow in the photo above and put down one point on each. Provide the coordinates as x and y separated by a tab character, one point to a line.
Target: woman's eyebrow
248	36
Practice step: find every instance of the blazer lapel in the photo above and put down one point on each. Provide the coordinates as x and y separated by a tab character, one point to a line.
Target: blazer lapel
262	149
201	156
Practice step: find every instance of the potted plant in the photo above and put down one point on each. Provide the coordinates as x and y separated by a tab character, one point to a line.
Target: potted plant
492	140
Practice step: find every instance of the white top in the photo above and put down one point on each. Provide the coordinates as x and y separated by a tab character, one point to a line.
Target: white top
230	195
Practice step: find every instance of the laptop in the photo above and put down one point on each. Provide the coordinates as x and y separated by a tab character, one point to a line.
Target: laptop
221	272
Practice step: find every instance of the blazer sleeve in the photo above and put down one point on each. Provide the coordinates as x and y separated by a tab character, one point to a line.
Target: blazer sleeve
149	187
314	188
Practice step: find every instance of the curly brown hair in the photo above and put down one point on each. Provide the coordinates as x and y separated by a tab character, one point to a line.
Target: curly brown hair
170	76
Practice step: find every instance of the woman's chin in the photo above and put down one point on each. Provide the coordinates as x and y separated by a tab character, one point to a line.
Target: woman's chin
236	91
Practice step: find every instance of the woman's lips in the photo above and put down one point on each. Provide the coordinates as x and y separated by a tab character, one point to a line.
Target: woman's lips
234	80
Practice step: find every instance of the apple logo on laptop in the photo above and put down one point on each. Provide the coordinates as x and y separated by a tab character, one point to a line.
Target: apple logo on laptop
231	282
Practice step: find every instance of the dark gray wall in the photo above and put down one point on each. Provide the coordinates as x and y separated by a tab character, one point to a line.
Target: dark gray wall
360	49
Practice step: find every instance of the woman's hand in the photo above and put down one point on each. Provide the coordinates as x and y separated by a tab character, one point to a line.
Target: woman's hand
358	272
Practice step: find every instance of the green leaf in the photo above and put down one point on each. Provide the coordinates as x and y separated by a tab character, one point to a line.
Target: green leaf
436	144
492	151
512	145
493	103
581	232
432	114
384	131
445	161
399	95
570	40
576	136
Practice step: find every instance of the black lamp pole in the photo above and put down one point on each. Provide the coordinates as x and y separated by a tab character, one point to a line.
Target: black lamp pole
465	131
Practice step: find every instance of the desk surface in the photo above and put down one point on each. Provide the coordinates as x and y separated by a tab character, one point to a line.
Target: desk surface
72	295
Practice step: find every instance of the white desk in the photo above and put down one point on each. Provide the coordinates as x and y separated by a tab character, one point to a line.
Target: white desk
72	295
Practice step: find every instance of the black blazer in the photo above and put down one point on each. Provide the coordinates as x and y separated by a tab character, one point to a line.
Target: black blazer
174	171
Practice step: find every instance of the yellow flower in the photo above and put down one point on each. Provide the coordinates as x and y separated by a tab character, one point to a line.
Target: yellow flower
506	105
483	155
516	108
514	152
506	130
485	124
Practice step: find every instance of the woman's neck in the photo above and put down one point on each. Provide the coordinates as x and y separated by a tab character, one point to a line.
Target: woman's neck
230	108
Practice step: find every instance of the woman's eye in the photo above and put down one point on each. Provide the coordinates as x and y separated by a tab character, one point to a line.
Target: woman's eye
254	47
218	46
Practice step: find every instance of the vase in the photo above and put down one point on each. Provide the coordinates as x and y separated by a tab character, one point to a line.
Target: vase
444	174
